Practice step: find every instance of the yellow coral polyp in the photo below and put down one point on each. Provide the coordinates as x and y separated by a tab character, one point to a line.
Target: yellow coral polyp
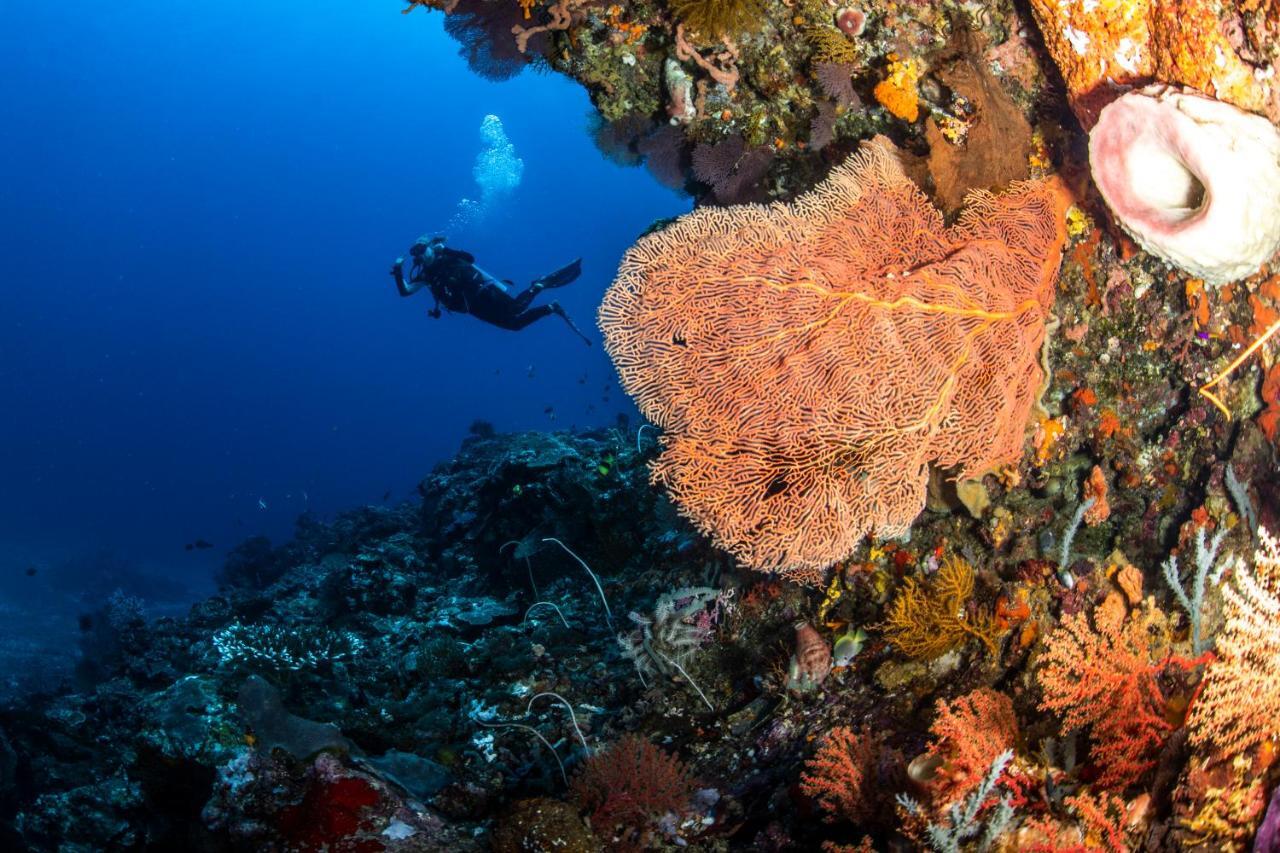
1047	436
1078	222
897	92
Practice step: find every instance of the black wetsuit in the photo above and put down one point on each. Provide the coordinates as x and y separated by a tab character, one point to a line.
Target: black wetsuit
463	288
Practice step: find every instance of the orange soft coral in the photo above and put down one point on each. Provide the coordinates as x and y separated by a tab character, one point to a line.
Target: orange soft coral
897	92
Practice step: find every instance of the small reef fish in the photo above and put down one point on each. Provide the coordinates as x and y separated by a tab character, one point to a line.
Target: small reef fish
198	545
262	504
31	571
847	646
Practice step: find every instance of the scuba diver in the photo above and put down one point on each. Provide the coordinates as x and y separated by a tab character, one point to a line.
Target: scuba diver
463	288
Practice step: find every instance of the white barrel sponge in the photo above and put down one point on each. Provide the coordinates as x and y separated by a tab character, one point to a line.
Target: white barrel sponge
1193	180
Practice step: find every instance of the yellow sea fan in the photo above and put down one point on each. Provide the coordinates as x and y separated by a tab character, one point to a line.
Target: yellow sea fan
712	19
929	620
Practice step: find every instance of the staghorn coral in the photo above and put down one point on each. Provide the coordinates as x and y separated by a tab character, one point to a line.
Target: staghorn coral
280	648
928	620
1104	679
807	361
1240	703
838	774
628	787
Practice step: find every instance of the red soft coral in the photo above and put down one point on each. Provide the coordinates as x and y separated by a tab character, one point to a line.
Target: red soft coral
969	733
628	787
1105	680
837	775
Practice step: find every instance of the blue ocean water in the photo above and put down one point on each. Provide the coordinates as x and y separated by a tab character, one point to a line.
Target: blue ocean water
198	208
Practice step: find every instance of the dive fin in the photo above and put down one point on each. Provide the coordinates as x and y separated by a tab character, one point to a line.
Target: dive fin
565	275
560	312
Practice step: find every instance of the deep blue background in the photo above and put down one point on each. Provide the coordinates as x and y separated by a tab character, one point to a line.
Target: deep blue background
199	206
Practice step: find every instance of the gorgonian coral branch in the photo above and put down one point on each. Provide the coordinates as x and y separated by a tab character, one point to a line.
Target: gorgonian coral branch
808	361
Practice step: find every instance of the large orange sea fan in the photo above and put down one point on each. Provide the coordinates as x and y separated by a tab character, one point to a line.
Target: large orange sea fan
807	361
